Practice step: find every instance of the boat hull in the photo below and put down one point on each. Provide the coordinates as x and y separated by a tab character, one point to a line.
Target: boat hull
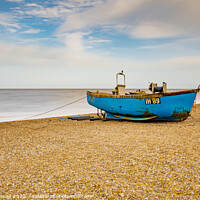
168	107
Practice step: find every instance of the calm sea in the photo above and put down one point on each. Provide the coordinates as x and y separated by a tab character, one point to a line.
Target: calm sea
17	104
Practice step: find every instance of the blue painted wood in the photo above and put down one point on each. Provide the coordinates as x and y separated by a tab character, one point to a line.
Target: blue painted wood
176	107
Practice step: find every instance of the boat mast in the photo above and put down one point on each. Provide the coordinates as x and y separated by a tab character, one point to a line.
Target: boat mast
120	89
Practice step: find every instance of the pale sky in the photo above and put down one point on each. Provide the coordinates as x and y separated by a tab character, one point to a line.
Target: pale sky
84	43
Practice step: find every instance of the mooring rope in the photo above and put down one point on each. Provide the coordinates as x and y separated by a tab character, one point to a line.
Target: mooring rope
43	114
48	110
55	108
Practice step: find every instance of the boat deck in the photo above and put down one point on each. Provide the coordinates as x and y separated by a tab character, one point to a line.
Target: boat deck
140	95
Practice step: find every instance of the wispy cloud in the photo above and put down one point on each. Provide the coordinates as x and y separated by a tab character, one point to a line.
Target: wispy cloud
154	29
46	12
17	1
179	42
32	31
11	30
74	42
112	12
77	5
9	21
93	40
33	5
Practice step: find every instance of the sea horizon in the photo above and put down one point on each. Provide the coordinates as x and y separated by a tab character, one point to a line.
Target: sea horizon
135	88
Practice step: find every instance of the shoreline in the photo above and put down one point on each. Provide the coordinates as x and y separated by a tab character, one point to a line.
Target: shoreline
16	110
100	159
92	114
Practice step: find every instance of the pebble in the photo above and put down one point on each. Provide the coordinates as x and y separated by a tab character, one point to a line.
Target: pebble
100	159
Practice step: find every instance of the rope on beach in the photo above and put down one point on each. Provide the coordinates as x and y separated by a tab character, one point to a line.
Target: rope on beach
55	108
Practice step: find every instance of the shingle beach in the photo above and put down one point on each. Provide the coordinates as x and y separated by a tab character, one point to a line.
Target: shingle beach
59	158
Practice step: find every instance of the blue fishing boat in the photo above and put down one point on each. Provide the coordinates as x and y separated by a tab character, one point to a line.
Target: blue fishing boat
158	104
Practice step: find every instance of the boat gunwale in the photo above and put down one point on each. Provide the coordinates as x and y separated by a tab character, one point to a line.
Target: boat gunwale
141	96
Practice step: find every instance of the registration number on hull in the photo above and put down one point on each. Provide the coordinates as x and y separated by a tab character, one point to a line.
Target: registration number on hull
152	100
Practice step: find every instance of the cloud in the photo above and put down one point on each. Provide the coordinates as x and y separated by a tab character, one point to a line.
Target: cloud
107	13
46	12
92	40
78	4
139	19
184	62
101	69
30	55
12	30
32	31
16	1
74	42
33	5
150	30
8	20
183	43
84	24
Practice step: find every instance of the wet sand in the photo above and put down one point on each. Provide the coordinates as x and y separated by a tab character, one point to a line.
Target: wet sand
61	158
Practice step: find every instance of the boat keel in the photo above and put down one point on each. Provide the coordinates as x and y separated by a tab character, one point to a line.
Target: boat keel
122	117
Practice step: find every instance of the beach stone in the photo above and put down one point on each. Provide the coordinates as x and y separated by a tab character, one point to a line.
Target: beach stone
100	159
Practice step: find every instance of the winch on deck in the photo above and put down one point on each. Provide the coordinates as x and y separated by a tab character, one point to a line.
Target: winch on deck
154	88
